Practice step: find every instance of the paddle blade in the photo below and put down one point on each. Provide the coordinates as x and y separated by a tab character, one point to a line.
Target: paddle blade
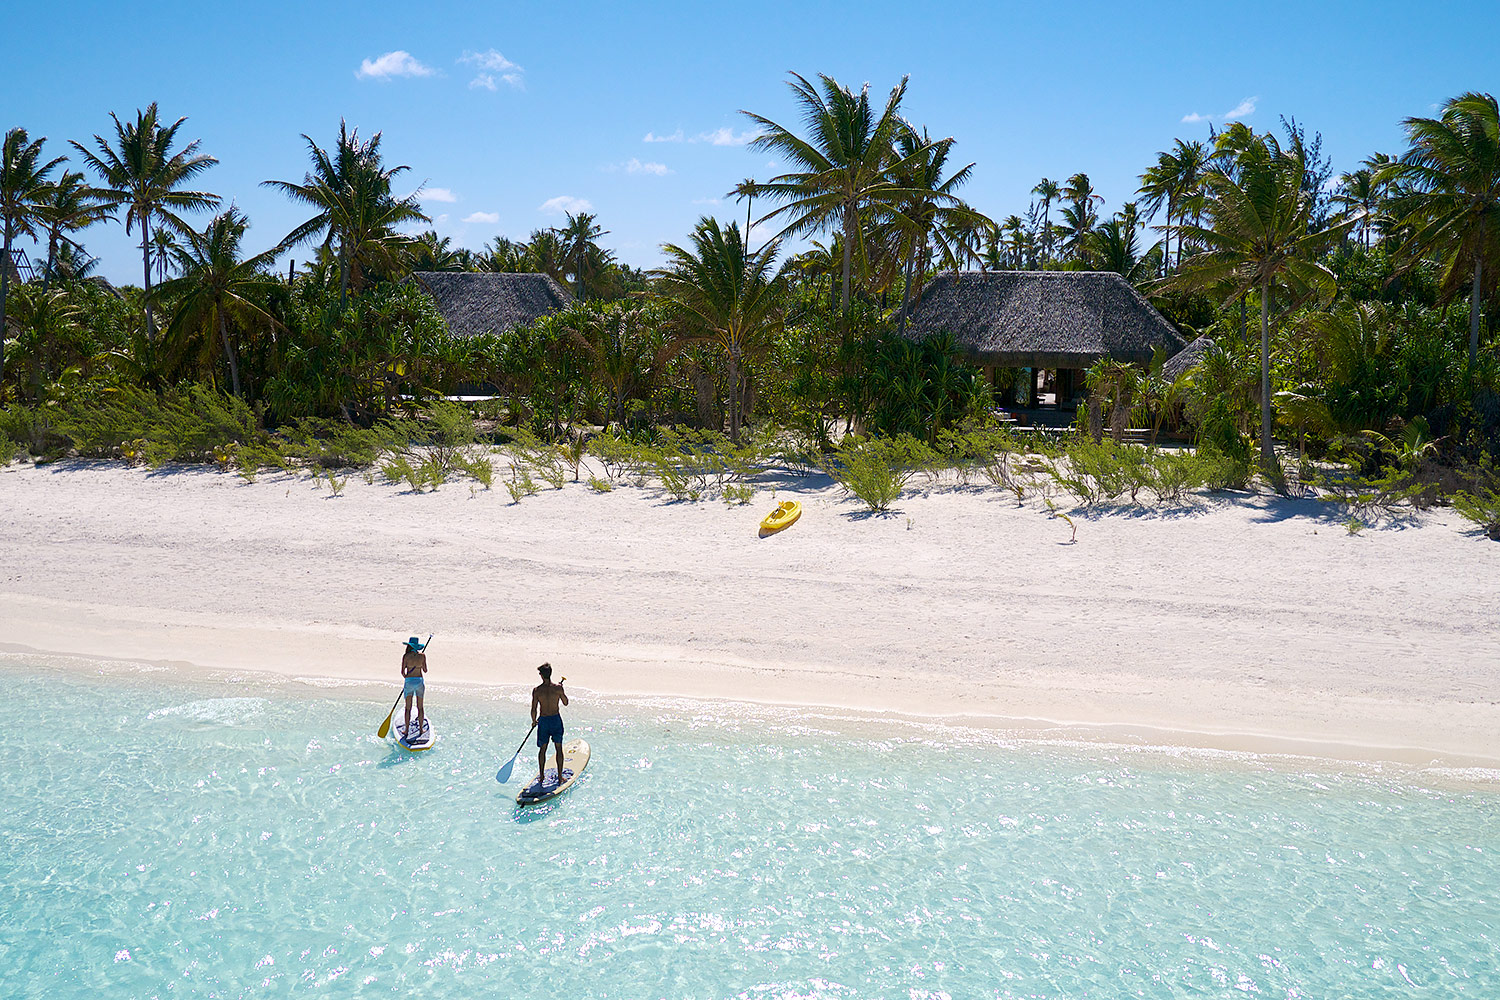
503	775
385	727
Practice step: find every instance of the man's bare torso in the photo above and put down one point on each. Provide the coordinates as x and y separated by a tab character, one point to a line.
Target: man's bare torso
548	698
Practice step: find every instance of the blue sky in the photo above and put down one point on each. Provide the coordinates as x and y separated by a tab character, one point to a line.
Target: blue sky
509	112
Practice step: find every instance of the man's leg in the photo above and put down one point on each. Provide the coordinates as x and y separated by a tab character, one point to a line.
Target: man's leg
541	763
558	744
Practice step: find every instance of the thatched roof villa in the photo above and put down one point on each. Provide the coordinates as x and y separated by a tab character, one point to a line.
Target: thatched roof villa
1058	321
1187	358
488	302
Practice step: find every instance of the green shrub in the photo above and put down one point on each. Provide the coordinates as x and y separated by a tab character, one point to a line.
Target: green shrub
1480	503
1093	473
741	494
876	470
8	450
399	467
1171	475
336	482
619	457
600	485
179	425
435	469
520	484
1374	496
480	468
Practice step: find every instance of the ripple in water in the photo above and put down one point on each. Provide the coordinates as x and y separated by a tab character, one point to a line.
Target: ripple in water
160	842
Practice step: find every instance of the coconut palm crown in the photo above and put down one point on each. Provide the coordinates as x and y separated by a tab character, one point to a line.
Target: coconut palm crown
1258	237
23	192
142	172
1451	197
842	166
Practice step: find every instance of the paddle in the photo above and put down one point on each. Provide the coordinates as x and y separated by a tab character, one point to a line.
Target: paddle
503	775
385	727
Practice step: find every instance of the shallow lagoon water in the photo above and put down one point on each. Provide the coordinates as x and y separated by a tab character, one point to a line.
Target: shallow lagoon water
254	839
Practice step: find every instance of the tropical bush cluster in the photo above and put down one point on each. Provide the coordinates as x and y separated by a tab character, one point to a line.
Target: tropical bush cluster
1351	316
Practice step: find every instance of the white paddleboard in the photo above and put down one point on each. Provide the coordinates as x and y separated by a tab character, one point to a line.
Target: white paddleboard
425	741
575	759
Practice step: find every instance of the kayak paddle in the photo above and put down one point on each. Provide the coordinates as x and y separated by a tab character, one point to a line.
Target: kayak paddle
503	775
385	727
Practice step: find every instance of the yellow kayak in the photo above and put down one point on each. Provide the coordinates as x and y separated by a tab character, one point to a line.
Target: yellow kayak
785	513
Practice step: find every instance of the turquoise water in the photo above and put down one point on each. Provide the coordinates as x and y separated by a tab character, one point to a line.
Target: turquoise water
164	839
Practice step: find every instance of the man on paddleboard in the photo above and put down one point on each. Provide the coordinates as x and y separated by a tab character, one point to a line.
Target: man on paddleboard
413	666
546	701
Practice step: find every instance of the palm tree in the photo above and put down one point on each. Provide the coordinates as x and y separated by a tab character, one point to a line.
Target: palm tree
356	211
143	173
1174	181
1451	201
164	243
69	205
1081	215
625	345
1049	191
929	217
745	189
1258	237
23	193
844	164
581	254
217	288
431	252
723	295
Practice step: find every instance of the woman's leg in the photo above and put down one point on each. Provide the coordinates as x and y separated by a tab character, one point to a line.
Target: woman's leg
421	715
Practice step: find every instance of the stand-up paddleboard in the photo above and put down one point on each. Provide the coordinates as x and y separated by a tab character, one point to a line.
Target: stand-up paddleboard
575	759
419	742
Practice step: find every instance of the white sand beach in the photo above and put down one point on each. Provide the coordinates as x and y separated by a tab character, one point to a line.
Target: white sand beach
1243	621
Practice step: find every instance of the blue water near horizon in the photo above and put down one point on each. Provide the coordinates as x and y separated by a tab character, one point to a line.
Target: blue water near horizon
252	838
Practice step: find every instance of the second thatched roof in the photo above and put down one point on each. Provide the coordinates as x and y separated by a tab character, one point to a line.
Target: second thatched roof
1042	319
474	304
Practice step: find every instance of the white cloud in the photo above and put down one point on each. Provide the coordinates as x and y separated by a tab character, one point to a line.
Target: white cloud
397	63
725	136
492	70
437	194
705	201
634	166
1242	110
486	218
565	203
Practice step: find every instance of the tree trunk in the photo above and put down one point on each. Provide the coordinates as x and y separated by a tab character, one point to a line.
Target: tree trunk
849	225
234	368
1476	299
749	201
146	268
4	291
51	262
734	395
1267	456
343	277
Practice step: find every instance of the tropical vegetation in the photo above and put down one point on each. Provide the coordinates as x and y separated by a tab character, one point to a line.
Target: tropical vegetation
1375	292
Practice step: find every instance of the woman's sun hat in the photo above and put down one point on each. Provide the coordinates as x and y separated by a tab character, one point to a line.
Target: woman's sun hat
415	645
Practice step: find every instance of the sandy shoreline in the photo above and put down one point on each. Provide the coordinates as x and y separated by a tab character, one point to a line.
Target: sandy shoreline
1248	623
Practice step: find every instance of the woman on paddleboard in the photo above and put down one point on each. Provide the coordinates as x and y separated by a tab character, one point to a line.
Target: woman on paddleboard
413	666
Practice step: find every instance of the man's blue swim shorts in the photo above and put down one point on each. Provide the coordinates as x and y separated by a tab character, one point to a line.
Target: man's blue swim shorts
549	727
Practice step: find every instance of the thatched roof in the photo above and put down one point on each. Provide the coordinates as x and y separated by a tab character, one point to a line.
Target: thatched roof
474	304
1042	319
1186	358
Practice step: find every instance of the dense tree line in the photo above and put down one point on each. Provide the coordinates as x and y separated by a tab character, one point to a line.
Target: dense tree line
1339	307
